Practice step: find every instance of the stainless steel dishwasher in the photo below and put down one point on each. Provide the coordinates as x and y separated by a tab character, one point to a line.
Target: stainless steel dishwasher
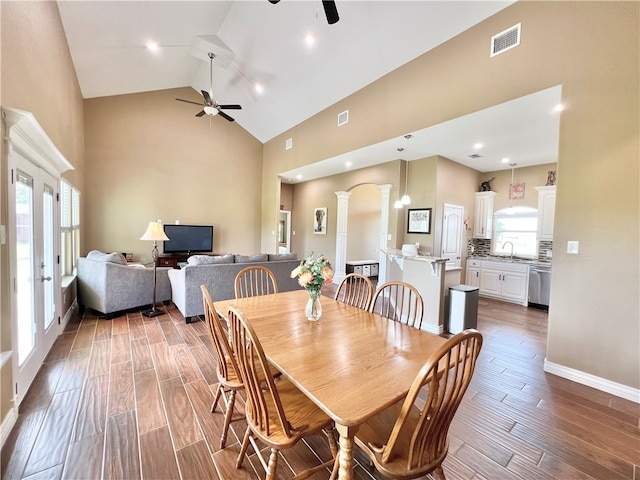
539	286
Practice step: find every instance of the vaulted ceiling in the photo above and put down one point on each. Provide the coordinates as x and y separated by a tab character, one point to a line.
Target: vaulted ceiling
302	64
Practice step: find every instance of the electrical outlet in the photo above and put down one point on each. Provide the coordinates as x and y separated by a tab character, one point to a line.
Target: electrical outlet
573	246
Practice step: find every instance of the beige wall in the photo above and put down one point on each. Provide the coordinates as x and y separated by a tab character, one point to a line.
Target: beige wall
592	50
37	75
150	158
363	223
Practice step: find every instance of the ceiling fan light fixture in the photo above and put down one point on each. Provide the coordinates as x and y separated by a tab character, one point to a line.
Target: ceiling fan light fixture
405	200
209	110
397	204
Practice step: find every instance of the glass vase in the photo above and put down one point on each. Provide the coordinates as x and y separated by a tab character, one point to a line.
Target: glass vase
313	309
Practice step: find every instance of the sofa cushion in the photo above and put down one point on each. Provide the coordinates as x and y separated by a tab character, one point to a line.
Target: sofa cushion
258	257
113	257
210	259
282	256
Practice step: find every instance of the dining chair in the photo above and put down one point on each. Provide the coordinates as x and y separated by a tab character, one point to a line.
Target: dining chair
356	290
229	380
278	414
400	302
409	439
255	280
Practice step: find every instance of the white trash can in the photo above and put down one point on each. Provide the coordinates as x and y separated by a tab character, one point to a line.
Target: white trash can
463	308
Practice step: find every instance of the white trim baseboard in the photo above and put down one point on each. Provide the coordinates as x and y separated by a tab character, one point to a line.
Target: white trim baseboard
7	425
617	389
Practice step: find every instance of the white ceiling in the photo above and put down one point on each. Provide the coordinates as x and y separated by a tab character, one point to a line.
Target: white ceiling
107	43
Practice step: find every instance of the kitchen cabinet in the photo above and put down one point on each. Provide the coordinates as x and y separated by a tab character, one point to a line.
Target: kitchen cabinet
505	281
483	219
546	211
472	276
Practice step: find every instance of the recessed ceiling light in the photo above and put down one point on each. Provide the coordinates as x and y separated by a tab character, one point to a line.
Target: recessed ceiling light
153	46
348	164
478	146
299	177
505	160
259	88
310	40
558	108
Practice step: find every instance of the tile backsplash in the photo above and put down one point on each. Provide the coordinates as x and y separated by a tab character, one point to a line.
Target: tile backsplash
482	247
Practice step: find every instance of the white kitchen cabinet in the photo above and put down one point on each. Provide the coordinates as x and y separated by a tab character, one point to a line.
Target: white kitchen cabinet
505	281
472	276
546	211
483	220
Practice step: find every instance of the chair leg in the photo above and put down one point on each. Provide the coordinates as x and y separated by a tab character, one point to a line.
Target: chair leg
227	417
243	449
273	463
216	398
438	474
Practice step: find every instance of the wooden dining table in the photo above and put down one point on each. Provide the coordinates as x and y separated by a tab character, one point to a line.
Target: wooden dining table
351	363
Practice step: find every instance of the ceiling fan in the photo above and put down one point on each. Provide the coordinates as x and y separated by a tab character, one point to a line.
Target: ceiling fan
211	107
330	10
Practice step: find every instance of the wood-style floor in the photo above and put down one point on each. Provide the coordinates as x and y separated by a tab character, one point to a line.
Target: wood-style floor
130	398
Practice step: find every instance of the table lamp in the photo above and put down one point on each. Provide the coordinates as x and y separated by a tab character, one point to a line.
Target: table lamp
154	232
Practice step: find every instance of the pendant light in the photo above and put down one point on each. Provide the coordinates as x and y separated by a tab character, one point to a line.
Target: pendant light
406	199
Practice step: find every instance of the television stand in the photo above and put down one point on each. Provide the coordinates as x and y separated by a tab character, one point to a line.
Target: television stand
172	259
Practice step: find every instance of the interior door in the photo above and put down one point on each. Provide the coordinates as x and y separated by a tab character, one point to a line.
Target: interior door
34	268
452	234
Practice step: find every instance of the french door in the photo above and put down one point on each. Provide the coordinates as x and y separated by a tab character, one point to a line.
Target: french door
35	304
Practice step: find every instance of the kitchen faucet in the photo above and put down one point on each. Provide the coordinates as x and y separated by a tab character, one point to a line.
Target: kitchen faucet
511	256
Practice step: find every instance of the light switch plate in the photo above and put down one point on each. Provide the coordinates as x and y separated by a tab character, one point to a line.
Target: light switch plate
573	247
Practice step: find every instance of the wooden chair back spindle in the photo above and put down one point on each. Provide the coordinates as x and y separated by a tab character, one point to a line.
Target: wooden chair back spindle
356	290
255	280
400	302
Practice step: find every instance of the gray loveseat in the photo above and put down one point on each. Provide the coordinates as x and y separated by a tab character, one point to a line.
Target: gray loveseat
107	284
218	274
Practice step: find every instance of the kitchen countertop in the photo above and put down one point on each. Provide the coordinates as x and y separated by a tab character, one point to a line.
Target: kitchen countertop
508	259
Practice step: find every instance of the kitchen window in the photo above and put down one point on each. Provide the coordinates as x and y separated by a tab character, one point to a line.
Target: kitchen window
518	225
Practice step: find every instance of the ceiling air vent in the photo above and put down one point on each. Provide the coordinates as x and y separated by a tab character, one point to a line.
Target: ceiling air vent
505	40
343	118
475	155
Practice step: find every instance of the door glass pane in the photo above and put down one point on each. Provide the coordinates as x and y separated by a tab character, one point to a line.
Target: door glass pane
47	255
24	261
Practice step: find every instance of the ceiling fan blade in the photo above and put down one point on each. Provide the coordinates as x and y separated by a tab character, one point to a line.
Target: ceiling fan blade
330	11
200	114
224	115
188	101
207	98
231	107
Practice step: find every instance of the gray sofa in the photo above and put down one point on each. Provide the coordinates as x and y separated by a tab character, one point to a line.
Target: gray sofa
107	284
218	274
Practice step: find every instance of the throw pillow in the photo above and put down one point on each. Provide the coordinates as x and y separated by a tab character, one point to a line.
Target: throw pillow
282	256
209	259
113	257
258	257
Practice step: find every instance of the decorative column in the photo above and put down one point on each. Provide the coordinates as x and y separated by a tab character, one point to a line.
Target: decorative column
385	194
341	236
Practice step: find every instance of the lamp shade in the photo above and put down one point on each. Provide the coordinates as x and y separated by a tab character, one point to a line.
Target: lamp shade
154	232
406	199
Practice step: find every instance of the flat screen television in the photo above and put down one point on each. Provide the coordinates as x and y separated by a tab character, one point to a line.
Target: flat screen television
188	239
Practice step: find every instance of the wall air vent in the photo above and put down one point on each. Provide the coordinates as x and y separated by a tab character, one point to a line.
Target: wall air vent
343	118
475	155
505	40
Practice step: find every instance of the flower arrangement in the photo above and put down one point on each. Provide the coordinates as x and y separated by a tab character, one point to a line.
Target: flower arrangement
313	272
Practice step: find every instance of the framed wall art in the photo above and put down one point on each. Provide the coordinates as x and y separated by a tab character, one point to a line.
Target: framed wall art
320	221
419	220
